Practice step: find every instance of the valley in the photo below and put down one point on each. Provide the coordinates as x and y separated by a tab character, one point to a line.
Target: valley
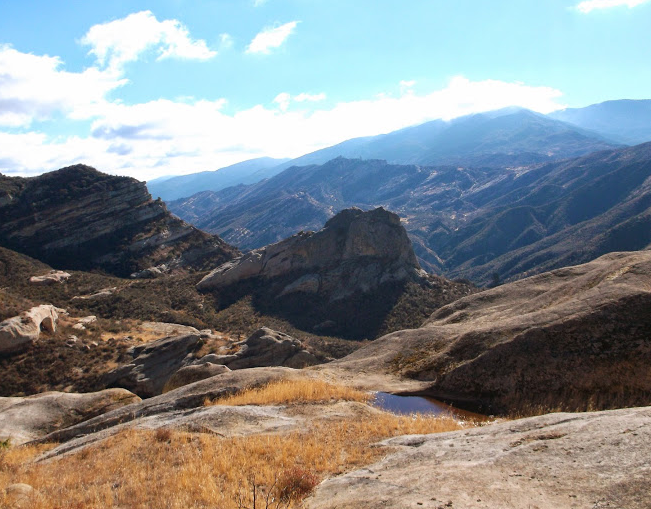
232	356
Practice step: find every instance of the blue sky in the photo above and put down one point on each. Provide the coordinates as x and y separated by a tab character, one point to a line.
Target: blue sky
177	86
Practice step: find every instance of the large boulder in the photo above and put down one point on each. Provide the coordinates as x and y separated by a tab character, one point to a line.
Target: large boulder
575	338
23	419
356	251
17	333
153	364
592	460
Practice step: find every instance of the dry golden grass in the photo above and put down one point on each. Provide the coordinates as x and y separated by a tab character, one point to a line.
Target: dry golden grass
178	470
294	391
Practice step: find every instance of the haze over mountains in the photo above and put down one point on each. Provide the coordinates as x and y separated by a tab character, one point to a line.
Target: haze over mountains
507	137
246	172
626	121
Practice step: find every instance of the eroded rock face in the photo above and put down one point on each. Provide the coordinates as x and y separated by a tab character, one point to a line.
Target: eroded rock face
79	218
594	459
17	333
29	418
576	337
355	251
153	364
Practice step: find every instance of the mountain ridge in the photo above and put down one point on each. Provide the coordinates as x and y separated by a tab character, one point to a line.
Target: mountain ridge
80	218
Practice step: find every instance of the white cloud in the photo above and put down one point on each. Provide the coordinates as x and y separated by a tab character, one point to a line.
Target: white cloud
271	38
258	3
591	5
171	137
33	87
124	40
310	97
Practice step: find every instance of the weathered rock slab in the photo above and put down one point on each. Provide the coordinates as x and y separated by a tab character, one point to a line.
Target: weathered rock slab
23	419
188	397
582	460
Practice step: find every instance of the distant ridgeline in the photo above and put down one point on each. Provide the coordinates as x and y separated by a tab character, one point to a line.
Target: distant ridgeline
79	218
476	223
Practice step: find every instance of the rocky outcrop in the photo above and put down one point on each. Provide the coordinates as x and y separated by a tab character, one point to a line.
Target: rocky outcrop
356	251
52	278
591	460
172	403
153	364
79	218
17	333
29	418
577	338
267	347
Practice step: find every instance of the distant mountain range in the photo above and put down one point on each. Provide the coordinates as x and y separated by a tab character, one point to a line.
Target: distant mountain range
246	172
624	121
464	222
507	137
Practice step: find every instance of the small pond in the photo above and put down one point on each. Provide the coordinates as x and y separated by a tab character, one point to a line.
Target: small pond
407	405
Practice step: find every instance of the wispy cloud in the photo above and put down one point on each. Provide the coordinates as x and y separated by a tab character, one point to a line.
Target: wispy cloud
592	5
124	40
271	38
258	3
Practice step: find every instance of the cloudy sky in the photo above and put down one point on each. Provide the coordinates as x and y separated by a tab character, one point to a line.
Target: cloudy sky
178	86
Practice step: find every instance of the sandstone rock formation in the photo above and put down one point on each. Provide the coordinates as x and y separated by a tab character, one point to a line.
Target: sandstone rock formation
29	418
267	347
592	460
577	338
168	363
355	251
53	277
19	332
79	218
153	364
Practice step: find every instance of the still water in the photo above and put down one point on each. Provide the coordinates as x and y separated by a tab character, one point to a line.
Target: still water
408	405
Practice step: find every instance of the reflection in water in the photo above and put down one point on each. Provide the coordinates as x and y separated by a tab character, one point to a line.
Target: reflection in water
407	405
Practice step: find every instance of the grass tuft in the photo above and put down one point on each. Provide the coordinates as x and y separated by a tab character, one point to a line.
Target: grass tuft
286	392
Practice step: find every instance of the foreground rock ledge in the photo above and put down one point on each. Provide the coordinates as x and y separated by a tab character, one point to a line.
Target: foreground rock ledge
583	460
